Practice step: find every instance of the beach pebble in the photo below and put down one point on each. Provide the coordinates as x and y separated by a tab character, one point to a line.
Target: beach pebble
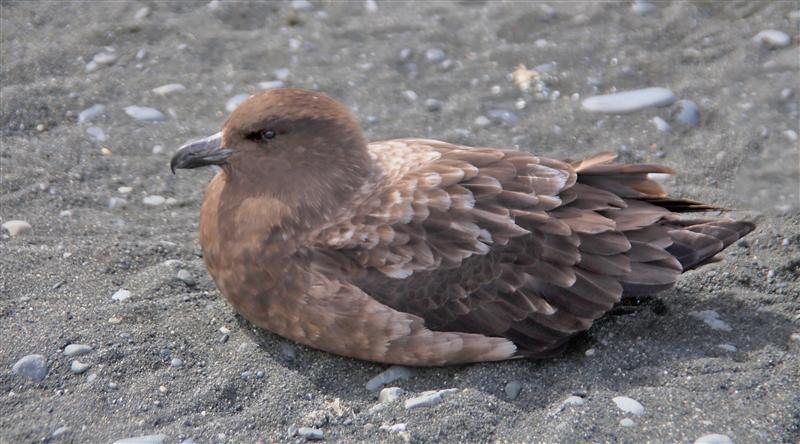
429	399
96	133
629	405
795	337
78	367
176	362
17	227
31	366
125	190
104	59
91	113
688	113
271	84
629	101
282	74
59	432
410	95
146	439
310	434
502	116
154	200
144	113
711	318
302	5
67	213
773	38
643	8
121	295
728	347
91	378
435	55
661	124
713	439
574	400
388	376
235	101
433	105
288	352
390	395
170	88
482	121
186	277
512	390
76	350
141	14
791	135
627	422
371	6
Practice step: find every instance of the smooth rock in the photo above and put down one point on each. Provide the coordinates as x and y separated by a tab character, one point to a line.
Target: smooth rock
410	95
371	6
711	318
17	227
502	116
661	124
643	8
59	432
627	422
688	113
429	400
773	38
311	434
235	101
574	400
728	347
302	5
170	88
146	439
629	101
629	405
435	55
433	105
186	277
96	133
271	85
390	395
144	113
91	378
513	389
176	362
76	350
78	367
104	59
388	376
154	200
288	351
482	121
713	439
31	366
121	295
282	74
141	14
91	113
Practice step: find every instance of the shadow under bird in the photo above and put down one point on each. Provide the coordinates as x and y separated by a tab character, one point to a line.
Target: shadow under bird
425	253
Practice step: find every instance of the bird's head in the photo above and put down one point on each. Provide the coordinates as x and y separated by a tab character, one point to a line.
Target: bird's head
300	147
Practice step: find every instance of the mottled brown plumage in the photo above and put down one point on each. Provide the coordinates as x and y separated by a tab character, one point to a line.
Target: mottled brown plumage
421	252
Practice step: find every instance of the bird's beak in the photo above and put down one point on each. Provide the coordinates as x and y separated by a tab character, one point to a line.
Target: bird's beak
203	152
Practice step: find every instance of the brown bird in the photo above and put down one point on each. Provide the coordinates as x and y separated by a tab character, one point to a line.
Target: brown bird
420	252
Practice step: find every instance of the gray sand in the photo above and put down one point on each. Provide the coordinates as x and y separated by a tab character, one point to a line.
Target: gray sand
56	282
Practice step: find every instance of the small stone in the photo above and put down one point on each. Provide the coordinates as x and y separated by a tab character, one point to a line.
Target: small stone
627	422
390	375
282	74
170	88
186	277
302	5
288	352
113	385
31	366
91	378
371	6
114	320
713	439
711	318
310	434
78	367
91	113
590	352
435	55
106	152
271	85
433	105
429	400
104	59
121	295
629	101
688	113
154	200
661	124
643	8
482	121
65	213
144	113
390	395
146	439
176	362
141	14
772	38
125	190
17	227
795	337
728	347
77	350
235	101
502	116
248	374
96	133
59	432
410	95
791	135
629	405
513	389
574	400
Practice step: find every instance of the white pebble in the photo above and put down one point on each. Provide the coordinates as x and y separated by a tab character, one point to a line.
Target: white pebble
773	38
629	405
59	432
590	352
17	227
629	101
158	149
96	133
65	213
410	95
104	59
711	318
435	55
371	6
169	88
154	200
482	121
728	347
270	85
643	8
282	74
302	5
791	135
144	113
661	124
142	14
574	400
91	113
713	439
627	422
121	295
390	395
235	101
146	439
388	376
76	350
78	367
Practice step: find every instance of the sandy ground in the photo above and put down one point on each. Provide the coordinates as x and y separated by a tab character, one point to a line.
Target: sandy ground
56	282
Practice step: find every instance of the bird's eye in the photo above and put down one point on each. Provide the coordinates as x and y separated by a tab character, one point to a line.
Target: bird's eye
268	134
